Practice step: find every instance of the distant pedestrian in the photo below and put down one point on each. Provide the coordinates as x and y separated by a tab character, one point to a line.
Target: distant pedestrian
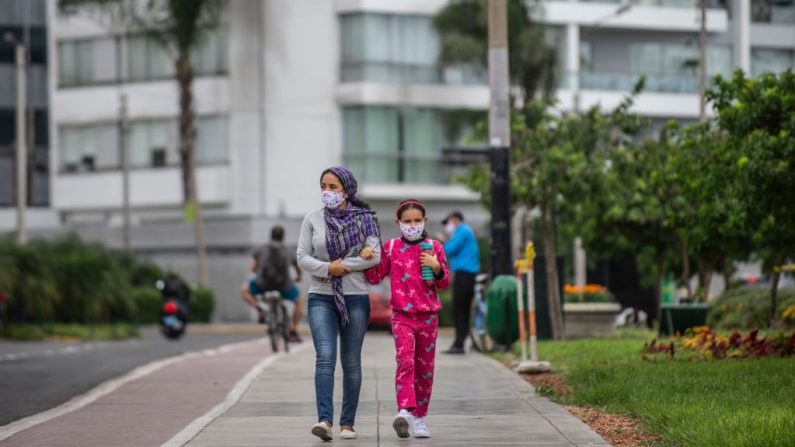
415	306
328	249
463	253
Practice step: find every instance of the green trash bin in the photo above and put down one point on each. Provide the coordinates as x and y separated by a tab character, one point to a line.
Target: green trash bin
677	318
502	319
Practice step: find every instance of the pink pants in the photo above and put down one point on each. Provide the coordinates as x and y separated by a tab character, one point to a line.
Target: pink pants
415	346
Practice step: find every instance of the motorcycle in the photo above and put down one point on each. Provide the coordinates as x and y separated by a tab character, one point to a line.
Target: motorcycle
174	307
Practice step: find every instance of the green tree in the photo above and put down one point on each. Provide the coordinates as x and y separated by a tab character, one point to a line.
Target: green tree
558	166
758	116
179	27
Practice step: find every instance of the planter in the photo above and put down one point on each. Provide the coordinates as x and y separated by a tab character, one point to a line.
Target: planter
583	320
677	318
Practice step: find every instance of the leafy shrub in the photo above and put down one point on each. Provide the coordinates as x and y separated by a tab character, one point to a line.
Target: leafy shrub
202	305
147	303
747	308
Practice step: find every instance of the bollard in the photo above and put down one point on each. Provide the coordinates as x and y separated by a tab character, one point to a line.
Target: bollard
525	266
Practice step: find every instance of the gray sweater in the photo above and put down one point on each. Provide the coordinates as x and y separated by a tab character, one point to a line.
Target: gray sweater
314	259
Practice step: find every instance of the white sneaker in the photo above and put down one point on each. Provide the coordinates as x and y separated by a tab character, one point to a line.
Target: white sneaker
403	424
421	429
348	434
322	431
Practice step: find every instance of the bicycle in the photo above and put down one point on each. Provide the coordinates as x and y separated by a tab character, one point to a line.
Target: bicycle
481	341
278	319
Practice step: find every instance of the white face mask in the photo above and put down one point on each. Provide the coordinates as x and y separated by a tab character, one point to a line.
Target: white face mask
412	233
450	228
332	199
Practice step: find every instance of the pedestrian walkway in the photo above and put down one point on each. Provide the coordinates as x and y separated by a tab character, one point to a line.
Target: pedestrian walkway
476	402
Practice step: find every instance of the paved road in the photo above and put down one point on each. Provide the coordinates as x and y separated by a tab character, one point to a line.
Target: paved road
39	376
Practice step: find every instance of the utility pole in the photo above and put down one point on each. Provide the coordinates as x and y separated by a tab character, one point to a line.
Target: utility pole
702	61
125	170
499	138
21	137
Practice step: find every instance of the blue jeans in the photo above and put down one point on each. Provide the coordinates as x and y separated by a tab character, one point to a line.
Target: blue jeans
324	320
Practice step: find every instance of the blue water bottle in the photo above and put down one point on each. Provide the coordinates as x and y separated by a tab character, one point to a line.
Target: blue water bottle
427	272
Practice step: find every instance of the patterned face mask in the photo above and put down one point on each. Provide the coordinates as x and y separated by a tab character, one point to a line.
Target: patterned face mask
332	199
412	233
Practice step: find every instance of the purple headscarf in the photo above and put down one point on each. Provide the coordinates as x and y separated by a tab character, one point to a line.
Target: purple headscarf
347	229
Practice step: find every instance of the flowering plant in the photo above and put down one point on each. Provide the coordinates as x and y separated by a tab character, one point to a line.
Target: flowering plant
590	293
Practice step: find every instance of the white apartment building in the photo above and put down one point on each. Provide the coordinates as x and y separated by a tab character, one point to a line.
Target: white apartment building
286	88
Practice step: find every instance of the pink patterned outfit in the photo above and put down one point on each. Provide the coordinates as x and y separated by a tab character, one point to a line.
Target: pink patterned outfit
415	319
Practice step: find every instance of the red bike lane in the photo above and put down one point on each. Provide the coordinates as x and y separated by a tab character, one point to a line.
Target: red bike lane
152	407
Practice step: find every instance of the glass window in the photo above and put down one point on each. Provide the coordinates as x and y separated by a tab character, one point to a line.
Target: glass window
773	11
211	140
6	176
389	48
83	62
209	57
389	144
673	67
87	148
150	142
771	60
147	59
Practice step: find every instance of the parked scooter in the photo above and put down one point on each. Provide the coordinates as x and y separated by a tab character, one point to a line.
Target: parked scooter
174	306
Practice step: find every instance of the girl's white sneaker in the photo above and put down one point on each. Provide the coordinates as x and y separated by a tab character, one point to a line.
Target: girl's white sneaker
348	434
403	424
322	431
421	429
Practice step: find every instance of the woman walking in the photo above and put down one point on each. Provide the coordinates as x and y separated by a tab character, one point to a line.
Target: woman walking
328	249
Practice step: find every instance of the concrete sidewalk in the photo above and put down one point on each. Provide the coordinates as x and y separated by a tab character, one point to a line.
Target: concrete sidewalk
476	402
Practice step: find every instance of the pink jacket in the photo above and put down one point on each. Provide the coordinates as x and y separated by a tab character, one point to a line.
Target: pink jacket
401	261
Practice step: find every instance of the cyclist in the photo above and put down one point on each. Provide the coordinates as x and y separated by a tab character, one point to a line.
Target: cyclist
275	253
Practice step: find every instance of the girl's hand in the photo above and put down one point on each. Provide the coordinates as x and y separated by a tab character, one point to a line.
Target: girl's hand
337	268
429	260
367	253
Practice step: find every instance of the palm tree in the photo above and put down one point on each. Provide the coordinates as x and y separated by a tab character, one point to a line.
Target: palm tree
178	26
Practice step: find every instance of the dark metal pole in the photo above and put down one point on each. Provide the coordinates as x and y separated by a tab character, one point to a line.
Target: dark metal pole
500	139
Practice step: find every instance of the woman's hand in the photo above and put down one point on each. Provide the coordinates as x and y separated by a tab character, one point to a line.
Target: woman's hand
429	260
337	268
367	253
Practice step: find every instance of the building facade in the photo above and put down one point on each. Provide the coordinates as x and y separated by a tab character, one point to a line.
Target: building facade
25	22
286	88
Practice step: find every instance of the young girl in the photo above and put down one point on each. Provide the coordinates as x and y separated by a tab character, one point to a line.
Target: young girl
415	306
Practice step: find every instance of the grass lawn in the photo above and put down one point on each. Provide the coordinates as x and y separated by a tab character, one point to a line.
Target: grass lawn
75	332
702	403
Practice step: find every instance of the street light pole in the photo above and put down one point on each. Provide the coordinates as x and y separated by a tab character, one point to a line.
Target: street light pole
125	171
499	138
702	61
21	143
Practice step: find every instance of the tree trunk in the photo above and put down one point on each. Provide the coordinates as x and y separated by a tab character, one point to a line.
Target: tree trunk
187	151
728	271
685	265
550	253
705	270
774	291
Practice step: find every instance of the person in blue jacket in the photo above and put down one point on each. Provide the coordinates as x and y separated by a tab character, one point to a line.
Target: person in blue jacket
463	255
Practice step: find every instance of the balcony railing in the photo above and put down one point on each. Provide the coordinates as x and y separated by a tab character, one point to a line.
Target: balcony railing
664	3
626	81
437	168
405	73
